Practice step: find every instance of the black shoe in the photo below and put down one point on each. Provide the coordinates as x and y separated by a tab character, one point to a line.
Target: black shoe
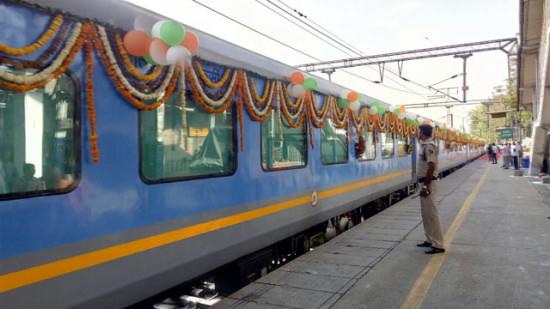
434	250
424	244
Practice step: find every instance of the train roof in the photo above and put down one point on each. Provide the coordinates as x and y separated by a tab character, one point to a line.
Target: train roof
121	14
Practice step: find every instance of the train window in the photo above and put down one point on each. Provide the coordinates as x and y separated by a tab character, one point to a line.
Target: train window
334	144
387	143
403	145
39	139
283	147
182	143
370	148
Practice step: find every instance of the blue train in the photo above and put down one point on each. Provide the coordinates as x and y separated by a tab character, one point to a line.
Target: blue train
120	179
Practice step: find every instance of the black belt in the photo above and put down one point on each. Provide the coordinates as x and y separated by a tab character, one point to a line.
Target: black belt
424	178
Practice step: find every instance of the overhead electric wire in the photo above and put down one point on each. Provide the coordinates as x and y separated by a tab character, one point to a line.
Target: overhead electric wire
350	49
355	49
286	45
258	32
320	38
324	29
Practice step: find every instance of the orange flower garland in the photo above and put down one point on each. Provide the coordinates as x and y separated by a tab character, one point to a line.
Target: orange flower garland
36	45
130	66
90	98
267	86
137	103
199	98
207	80
56	74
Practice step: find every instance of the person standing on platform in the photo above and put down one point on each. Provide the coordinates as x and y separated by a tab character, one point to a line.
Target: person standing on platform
514	155
494	150
490	153
505	151
427	171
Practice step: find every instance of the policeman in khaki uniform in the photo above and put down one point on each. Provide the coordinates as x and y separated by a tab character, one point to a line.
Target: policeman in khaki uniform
427	172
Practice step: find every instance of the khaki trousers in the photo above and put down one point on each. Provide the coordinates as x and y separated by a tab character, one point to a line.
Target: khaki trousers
430	217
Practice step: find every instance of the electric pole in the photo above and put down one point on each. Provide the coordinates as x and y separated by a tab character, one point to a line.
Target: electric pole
464	87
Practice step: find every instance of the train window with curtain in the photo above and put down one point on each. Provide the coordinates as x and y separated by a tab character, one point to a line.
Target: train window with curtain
334	144
403	145
39	138
179	143
369	146
283	147
387	143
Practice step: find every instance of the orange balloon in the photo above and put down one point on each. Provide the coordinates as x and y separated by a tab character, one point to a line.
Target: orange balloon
297	78
190	41
352	96
402	108
444	124
137	43
428	122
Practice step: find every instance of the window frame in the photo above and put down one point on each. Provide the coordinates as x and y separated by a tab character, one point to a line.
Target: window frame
393	147
78	145
408	142
305	144
147	181
373	132
321	147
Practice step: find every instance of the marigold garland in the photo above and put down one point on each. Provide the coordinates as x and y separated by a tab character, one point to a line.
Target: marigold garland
65	57
207	80
90	99
108	51
200	96
127	94
267	87
46	36
68	58
232	81
130	66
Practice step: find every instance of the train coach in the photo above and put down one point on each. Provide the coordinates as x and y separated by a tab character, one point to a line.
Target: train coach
120	178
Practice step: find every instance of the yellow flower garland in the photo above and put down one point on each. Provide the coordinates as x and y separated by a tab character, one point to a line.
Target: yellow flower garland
36	45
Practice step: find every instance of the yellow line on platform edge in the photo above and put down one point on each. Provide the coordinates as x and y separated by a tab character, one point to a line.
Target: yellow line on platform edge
43	272
424	282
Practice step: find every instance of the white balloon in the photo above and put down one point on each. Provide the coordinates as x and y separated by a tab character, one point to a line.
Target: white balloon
158	51
420	119
401	116
155	31
144	23
290	89
373	110
344	94
355	106
299	91
177	55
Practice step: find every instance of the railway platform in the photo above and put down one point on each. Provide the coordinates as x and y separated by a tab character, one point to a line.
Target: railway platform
497	237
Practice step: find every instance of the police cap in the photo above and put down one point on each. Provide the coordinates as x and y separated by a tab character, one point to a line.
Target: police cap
426	129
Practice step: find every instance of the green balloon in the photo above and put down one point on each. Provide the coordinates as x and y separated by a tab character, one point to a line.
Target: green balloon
375	103
310	84
359	98
381	110
172	33
397	111
342	103
149	60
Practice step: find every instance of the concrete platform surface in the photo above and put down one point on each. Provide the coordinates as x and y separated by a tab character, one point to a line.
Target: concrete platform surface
497	257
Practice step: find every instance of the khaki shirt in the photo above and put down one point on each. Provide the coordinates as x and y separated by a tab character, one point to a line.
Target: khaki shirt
428	147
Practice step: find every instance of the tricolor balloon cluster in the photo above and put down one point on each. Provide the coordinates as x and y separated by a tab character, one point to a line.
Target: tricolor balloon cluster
351	99
299	84
164	42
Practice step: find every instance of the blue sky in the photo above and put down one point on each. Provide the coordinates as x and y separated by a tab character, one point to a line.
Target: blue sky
374	27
